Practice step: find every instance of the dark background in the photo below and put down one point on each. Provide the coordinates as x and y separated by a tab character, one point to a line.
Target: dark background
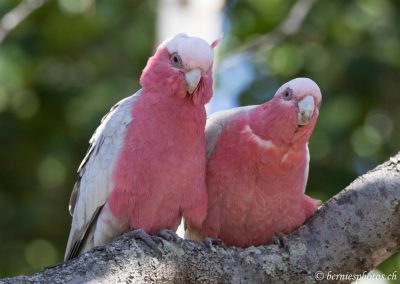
64	66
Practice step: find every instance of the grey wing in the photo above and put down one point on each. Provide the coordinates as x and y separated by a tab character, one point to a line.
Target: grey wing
95	182
216	122
95	143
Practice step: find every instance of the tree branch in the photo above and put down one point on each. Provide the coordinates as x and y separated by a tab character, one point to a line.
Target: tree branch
352	232
13	18
289	26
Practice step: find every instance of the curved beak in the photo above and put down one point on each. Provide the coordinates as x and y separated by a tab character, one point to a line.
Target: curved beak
306	109
192	78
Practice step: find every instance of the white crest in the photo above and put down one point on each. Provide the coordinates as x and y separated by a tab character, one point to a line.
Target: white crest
195	52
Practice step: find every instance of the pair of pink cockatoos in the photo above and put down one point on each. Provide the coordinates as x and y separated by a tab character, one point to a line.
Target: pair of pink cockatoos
145	167
257	167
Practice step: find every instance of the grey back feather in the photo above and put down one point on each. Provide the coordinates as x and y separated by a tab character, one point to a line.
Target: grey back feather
216	122
94	182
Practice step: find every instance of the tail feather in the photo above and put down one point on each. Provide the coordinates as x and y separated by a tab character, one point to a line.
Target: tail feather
81	240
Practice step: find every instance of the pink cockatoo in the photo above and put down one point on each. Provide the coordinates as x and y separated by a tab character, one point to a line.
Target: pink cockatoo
257	167
145	167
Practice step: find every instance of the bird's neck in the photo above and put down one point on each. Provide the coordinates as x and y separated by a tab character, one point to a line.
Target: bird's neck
279	127
172	108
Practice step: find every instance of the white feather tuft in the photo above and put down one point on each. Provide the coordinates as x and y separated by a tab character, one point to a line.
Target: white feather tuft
304	86
195	52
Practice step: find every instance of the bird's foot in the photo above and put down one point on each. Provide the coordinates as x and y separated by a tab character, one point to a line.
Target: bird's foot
169	235
140	234
279	240
210	243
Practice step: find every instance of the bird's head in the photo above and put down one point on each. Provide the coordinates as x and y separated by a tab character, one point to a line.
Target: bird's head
301	96
181	66
293	111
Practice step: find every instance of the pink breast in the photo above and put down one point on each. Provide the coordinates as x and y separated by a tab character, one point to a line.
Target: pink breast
252	194
156	166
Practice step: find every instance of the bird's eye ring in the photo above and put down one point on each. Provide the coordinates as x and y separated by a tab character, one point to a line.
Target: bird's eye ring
176	60
287	94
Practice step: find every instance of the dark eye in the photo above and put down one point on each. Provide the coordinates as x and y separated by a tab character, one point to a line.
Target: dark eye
176	60
287	94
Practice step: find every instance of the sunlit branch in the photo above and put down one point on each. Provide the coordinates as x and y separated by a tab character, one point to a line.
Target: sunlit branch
289	26
14	17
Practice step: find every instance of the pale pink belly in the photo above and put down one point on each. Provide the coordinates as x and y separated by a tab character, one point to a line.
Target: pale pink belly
244	217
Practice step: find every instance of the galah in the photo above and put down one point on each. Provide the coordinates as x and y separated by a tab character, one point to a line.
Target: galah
257	167
145	167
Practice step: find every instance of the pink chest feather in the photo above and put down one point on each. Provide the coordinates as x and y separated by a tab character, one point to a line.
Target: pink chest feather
161	163
255	188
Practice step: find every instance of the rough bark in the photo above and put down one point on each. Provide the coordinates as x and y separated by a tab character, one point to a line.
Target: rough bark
351	233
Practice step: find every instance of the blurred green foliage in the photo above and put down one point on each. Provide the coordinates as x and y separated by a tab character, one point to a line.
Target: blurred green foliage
70	61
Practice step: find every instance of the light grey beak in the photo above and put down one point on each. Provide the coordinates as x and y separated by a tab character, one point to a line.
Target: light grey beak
192	78
306	110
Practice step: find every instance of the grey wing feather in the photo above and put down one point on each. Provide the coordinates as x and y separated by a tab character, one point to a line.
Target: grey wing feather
95	143
74	197
216	122
84	233
94	181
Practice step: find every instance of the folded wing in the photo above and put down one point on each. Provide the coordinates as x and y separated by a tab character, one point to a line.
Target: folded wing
95	181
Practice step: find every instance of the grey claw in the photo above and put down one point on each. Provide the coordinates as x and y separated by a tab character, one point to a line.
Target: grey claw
169	235
279	240
210	243
140	234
